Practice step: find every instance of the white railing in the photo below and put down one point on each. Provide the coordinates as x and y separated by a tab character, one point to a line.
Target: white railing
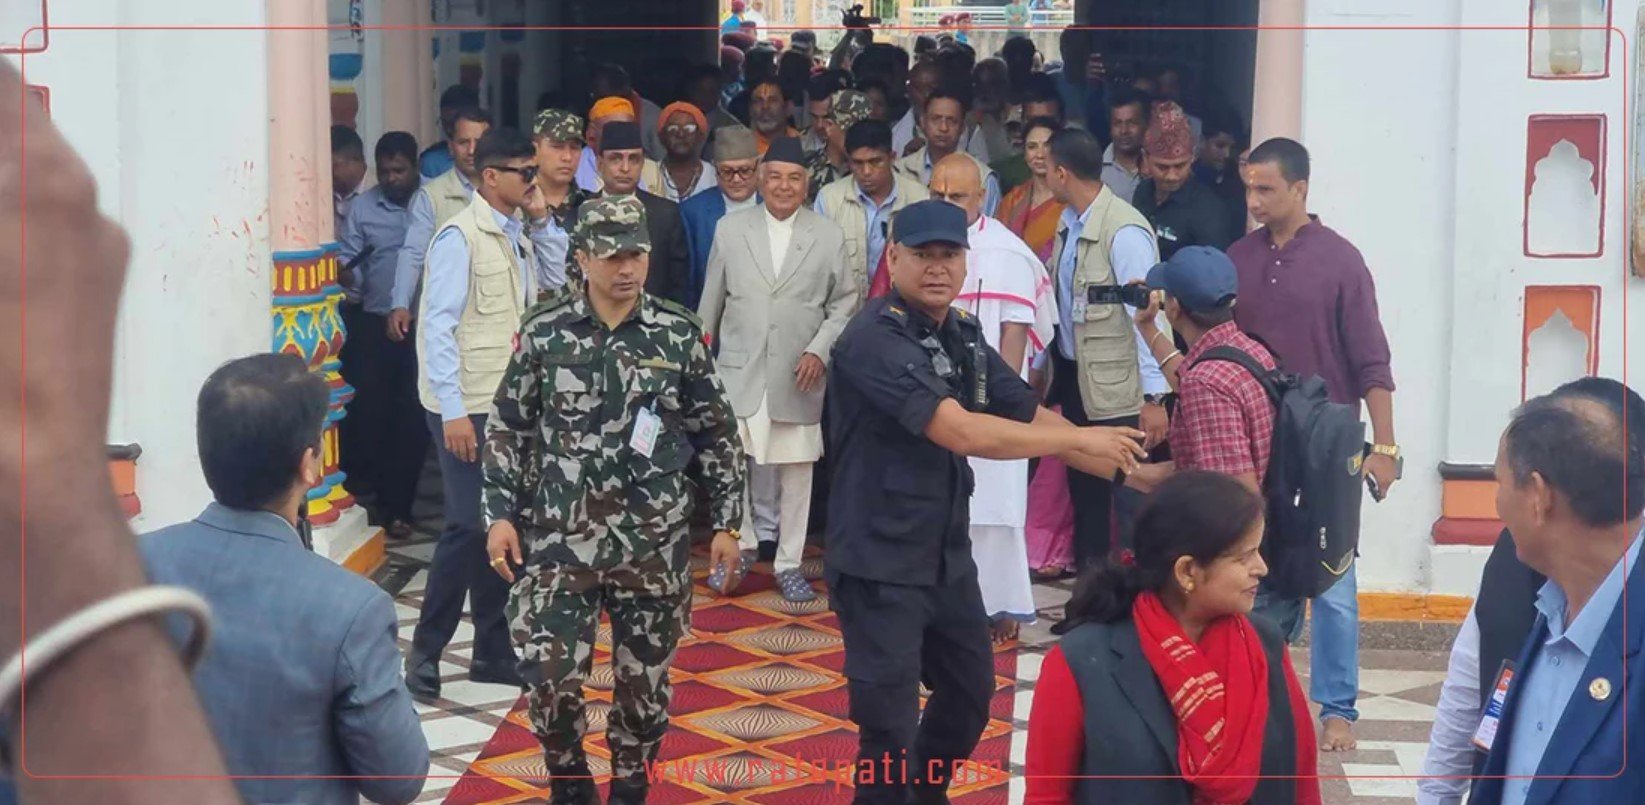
1044	27
990	16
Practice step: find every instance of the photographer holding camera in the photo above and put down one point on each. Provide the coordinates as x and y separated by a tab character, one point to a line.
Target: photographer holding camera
1102	371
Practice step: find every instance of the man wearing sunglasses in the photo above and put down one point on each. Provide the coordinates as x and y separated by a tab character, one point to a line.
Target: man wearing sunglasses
481	274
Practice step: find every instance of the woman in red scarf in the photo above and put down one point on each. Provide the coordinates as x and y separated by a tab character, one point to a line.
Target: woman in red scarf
1162	690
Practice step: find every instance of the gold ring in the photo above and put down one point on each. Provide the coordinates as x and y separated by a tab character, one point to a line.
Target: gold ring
499	561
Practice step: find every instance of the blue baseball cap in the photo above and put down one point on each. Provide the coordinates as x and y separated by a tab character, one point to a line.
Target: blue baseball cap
930	221
1200	278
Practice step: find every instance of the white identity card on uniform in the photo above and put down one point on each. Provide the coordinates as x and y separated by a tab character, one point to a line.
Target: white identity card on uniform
1485	736
646	426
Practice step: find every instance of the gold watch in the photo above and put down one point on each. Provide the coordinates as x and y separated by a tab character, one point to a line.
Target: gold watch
1389	450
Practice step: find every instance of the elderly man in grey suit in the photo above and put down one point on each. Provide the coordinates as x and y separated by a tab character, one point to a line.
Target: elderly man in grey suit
778	293
302	677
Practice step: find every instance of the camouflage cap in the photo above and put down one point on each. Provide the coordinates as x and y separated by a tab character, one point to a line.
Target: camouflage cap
611	224
850	108
558	125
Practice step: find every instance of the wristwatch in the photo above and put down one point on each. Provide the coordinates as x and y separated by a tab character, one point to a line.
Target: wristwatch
1389	450
1153	399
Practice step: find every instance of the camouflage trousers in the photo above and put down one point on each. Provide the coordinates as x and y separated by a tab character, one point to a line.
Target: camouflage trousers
554	611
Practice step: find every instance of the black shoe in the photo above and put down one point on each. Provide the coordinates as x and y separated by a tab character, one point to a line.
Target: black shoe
627	791
768	550
573	787
495	672
423	680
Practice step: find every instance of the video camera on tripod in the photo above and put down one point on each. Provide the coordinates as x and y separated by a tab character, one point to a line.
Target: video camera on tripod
853	18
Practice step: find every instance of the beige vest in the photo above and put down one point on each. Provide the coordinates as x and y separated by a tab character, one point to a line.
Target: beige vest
840	204
449	196
491	316
913	166
1105	341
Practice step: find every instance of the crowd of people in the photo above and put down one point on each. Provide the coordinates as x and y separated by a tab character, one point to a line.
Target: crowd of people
995	305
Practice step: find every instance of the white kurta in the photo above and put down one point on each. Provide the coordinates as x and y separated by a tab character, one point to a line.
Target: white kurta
1005	283
770	442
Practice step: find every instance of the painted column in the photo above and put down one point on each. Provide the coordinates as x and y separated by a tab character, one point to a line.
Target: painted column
345	42
1276	108
399	66
305	300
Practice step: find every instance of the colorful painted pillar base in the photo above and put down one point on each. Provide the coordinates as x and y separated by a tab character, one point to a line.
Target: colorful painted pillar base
309	324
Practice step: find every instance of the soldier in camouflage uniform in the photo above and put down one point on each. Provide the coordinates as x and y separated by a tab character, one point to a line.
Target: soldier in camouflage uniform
849	108
608	404
553	129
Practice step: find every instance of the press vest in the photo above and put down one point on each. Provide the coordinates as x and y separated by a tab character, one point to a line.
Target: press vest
1105	341
449	196
491	315
1119	745
840	204
913	166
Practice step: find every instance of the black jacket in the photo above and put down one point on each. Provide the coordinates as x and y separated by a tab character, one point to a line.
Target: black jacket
670	272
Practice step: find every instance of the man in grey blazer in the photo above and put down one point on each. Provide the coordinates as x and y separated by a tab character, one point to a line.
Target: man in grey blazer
302	676
778	293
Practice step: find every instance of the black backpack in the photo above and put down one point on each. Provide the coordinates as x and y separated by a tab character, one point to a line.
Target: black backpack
1315	479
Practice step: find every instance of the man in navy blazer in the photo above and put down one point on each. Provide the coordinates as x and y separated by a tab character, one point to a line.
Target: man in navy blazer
1570	474
302	676
736	155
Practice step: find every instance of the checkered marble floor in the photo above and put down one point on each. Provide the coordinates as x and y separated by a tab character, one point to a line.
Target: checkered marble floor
1398	690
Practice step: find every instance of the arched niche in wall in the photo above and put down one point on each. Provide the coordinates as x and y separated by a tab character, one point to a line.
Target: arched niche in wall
1565	186
1561	337
40	94
1570	39
23	26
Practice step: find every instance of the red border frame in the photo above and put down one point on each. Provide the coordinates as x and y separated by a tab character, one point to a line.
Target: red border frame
1599	174
45	35
1530	45
1525	330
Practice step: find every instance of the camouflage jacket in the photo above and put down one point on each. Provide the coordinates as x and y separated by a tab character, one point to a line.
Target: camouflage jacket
559	459
822	172
565	217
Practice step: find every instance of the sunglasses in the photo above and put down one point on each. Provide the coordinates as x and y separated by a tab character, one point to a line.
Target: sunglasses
681	128
528	173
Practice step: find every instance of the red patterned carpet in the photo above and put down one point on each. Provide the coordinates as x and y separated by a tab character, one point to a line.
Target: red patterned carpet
758	716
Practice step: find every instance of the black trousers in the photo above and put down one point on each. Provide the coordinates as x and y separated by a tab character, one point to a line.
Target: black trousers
1099	505
460	567
384	439
895	636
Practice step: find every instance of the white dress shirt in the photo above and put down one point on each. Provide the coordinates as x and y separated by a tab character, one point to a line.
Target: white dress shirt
1451	750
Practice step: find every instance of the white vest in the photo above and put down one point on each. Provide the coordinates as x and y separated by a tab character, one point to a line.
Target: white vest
491	316
1105	341
449	196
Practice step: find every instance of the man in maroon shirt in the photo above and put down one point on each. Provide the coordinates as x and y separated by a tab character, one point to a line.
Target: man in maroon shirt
1305	291
1224	420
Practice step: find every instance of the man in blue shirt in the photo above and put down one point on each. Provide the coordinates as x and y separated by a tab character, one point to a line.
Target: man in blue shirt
438	159
1560	737
383	436
480	277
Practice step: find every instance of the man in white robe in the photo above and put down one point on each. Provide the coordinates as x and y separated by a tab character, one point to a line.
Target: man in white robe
1009	291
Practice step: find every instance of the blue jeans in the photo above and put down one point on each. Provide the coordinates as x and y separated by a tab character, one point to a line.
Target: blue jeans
1333	654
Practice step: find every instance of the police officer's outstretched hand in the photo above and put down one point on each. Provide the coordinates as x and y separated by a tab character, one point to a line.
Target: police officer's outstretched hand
503	546
1102	450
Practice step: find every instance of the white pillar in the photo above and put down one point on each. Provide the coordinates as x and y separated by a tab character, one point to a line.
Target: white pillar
1276	108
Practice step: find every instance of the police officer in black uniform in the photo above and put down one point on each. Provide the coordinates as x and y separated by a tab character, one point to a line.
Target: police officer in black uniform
915	390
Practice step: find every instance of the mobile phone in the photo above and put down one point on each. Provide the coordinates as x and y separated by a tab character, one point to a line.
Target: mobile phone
1135	295
1376	489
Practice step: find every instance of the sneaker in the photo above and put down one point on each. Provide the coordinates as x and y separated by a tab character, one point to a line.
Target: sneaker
794	587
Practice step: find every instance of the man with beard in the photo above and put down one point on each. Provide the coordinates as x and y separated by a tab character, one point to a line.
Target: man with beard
683	173
383	437
768	113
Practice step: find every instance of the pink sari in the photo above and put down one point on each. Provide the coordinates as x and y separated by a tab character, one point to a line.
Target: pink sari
1050	525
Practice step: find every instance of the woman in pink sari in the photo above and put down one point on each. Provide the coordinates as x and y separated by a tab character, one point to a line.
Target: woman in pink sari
1030	211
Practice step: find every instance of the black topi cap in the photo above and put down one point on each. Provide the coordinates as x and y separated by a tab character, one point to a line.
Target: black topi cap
785	149
619	135
930	221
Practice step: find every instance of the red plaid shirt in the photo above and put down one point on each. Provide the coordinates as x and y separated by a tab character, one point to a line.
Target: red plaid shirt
1224	420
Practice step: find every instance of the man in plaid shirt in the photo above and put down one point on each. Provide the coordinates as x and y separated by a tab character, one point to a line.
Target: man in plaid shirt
1224	420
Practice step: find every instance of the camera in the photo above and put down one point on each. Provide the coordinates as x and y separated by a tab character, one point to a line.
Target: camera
853	18
1133	295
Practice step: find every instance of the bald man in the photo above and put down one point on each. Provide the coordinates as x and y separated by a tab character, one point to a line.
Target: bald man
1007	289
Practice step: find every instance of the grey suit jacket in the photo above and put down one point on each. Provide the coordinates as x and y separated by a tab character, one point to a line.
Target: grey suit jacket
302	676
763	321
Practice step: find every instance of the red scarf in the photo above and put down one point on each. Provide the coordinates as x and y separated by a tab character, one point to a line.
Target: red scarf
1219	692
882	277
